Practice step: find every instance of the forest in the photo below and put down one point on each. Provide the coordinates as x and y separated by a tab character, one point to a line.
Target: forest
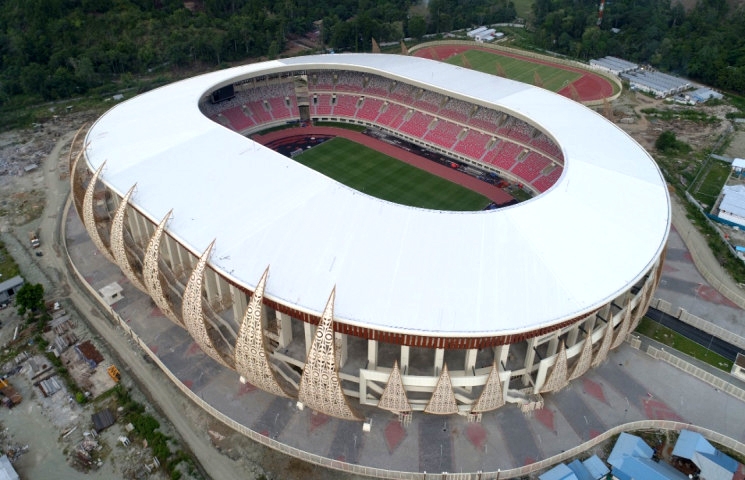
706	43
54	49
58	49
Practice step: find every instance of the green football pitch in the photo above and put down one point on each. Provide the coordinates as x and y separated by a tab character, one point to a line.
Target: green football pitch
387	178
550	78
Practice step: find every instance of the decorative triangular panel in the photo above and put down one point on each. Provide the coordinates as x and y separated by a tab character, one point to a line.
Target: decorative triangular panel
558	378
604	346
585	359
394	396
320	386
251	359
492	396
443	399
623	329
151	273
89	219
192	309
117	242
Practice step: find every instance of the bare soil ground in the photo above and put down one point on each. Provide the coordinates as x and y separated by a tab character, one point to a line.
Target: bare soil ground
51	436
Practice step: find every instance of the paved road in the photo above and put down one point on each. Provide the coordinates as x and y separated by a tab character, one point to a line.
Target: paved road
704	339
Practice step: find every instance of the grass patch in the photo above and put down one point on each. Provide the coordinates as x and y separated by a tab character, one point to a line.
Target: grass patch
524	8
387	178
712	182
550	78
690	114
8	266
664	335
349	126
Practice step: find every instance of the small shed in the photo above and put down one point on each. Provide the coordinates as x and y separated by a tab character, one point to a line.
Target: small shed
9	287
102	420
7	472
596	467
579	470
738	368
111	293
738	166
89	353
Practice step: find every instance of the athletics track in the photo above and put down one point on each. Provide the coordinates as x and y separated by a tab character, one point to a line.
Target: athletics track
589	86
496	195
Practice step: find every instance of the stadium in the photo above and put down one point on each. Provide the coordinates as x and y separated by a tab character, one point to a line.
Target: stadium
342	301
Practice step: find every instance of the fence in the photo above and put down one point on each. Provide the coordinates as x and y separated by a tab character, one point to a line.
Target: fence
701	374
537	56
703	325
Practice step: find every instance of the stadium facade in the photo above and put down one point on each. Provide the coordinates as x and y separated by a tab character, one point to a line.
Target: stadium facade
310	290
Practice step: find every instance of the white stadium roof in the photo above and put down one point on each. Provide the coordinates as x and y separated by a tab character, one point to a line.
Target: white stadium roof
396	268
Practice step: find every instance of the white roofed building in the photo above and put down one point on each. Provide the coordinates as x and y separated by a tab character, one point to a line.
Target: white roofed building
368	298
732	206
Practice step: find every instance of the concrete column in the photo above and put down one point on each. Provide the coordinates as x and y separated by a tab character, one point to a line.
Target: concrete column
553	345
501	355
284	325
605	311
170	251
540	376
341	348
470	362
134	222
439	359
572	336
589	324
239	304
310	330
210	284
404	358
223	287
372	354
529	358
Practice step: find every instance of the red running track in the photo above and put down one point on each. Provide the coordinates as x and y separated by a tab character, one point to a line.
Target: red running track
589	86
496	195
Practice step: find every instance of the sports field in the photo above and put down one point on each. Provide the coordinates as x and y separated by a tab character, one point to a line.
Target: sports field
387	178
546	76
572	82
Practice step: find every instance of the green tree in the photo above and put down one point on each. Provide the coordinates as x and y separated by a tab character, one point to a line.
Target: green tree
417	26
667	142
30	299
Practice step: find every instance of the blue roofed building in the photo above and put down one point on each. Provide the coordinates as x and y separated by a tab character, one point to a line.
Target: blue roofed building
713	464
631	459
559	472
634	468
591	469
580	472
629	445
595	467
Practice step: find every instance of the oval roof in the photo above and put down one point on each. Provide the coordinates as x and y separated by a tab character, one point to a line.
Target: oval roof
396	268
